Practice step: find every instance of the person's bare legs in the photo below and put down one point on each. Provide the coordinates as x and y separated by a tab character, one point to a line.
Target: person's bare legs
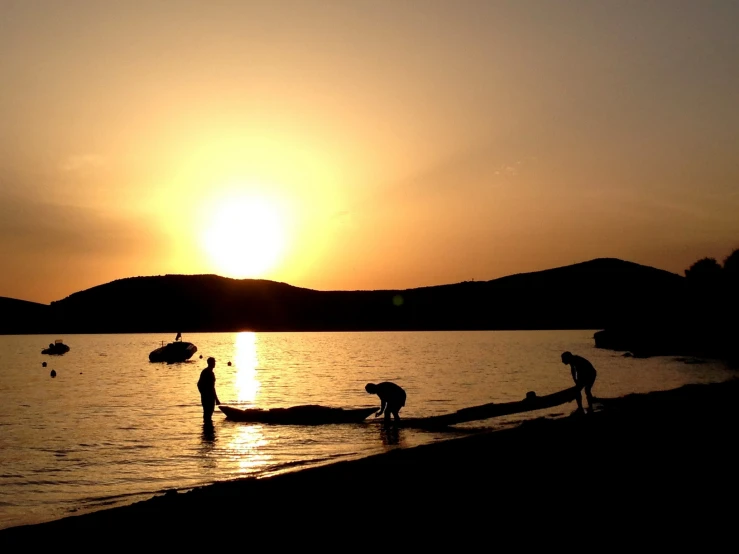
578	399
589	396
209	406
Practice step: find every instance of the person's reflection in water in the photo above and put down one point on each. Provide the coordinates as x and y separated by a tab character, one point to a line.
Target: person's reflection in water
391	435
209	433
207	444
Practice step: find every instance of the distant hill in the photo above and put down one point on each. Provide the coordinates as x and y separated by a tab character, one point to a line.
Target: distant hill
22	317
588	295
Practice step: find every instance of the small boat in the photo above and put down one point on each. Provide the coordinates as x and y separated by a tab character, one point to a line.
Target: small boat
530	403
298	415
173	352
56	349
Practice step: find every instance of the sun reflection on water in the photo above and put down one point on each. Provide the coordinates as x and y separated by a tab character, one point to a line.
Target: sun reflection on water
246	448
246	382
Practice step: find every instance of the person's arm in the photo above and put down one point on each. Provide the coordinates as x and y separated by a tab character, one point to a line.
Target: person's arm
215	394
382	407
574	373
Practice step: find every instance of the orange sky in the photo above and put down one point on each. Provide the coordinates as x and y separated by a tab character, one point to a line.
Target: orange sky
362	145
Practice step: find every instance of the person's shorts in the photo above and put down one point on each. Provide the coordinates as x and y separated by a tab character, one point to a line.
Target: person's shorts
393	408
586	382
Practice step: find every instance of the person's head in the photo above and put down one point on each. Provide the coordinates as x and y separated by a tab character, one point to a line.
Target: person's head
211	362
566	357
370	388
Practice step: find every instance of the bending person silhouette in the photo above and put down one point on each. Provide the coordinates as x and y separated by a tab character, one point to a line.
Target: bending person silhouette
207	388
392	398
583	373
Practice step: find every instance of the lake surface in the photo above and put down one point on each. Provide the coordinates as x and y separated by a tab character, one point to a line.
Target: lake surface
112	428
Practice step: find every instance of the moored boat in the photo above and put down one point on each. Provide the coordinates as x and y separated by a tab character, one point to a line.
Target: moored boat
56	349
298	415
173	352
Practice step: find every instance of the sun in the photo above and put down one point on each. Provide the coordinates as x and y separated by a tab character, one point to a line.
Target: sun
245	237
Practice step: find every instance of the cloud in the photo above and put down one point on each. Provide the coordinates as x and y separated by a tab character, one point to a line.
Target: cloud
36	228
49	250
81	162
508	170
469	168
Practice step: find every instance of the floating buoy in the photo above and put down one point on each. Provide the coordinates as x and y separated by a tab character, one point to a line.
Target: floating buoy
201	356
229	363
53	373
43	364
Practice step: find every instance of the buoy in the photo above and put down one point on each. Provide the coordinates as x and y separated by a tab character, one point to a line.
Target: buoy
43	364
229	363
201	356
53	373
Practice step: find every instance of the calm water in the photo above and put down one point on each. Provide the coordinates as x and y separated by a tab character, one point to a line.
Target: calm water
112	428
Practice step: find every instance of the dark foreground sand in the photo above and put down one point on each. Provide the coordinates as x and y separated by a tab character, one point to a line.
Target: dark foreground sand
654	470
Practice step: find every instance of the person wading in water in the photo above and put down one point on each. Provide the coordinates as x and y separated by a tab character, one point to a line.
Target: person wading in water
207	388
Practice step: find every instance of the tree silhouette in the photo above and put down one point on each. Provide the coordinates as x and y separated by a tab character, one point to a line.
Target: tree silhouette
731	265
707	270
731	302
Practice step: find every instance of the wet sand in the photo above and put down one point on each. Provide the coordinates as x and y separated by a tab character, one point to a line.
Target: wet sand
656	467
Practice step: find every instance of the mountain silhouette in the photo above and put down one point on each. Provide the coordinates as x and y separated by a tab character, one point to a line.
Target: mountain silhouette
22	317
589	295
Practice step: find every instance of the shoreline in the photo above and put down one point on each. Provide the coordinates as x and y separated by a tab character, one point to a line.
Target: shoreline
668	452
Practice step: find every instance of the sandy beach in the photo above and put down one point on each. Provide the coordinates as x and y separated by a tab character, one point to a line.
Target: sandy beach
650	464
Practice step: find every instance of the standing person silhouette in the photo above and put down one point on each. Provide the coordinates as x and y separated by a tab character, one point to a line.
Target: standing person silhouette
178	337
207	388
392	398
583	373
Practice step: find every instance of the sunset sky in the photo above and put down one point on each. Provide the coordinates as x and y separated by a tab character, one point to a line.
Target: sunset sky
362	145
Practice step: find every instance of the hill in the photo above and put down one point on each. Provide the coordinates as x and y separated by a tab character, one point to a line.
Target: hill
588	295
22	317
